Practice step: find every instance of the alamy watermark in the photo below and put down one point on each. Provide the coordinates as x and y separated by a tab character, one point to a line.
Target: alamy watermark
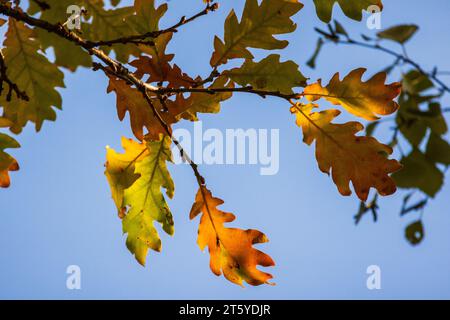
373	281
73	281
374	19
234	146
74	20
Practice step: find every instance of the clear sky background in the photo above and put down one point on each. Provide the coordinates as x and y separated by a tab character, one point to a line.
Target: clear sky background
59	211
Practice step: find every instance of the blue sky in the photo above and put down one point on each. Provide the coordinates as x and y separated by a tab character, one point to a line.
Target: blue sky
59	212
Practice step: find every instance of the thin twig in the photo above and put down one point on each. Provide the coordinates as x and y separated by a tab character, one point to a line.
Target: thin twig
114	67
144	38
400	57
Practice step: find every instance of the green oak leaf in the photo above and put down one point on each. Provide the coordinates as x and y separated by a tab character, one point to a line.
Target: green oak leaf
400	34
419	172
258	25
67	54
268	74
32	73
146	202
438	150
351	8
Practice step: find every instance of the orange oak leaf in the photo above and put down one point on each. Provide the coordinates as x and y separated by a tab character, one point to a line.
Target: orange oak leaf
157	66
7	162
350	158
231	249
363	99
160	70
130	100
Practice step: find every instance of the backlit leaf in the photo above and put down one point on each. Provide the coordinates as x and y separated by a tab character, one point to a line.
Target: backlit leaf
120	169
351	8
130	100
348	158
32	73
141	114
7	162
363	99
231	249
258	25
67	54
143	199
269	74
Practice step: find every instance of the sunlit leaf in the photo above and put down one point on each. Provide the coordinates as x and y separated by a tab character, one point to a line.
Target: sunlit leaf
351	8
231	249
137	178
348	158
363	99
258	25
120	169
269	74
32	73
7	162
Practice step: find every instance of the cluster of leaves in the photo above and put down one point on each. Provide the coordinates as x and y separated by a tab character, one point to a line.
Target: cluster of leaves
419	127
158	94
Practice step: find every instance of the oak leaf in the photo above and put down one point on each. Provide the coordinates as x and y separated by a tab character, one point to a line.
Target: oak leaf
67	54
7	162
32	73
258	25
137	178
420	172
268	74
400	34
120	169
363	99
349	158
160	70
351	8
231	249
130	100
109	24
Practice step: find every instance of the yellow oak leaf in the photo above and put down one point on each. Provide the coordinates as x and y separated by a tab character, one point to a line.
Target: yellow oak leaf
363	99
231	249
361	160
120	169
7	163
137	178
